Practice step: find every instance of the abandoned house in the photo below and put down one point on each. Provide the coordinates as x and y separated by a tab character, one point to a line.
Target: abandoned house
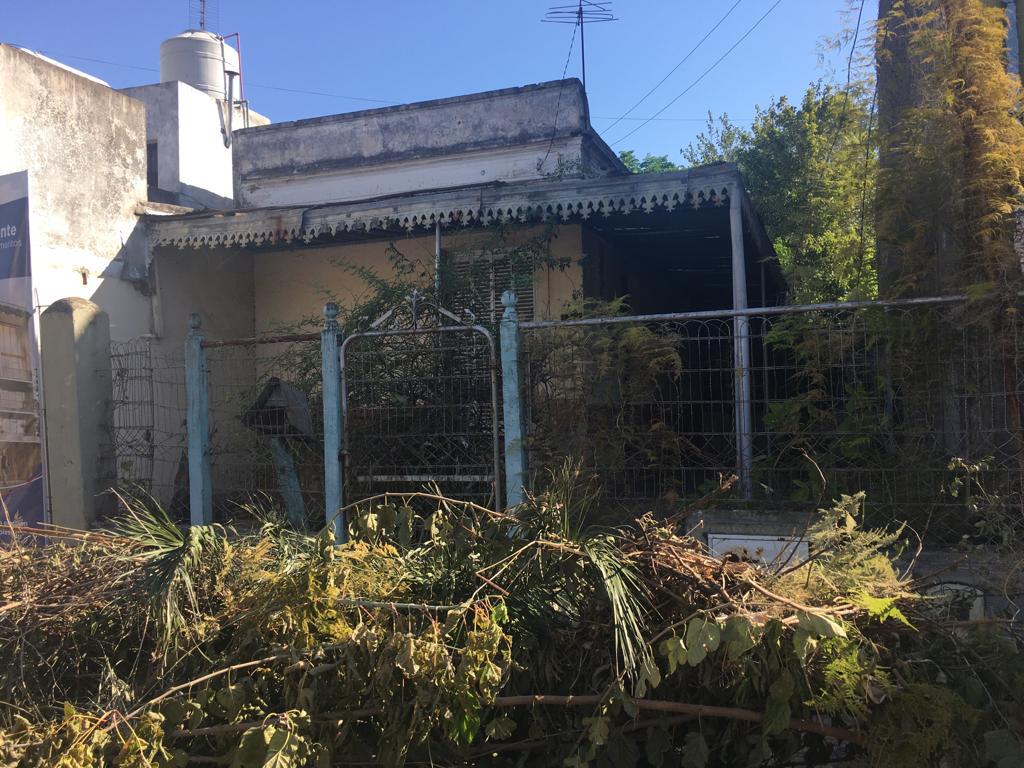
502	294
477	195
195	203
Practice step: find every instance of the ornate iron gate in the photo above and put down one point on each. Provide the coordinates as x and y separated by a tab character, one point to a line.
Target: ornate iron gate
420	403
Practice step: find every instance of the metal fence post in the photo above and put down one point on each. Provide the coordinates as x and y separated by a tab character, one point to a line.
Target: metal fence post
200	490
742	392
333	427
515	449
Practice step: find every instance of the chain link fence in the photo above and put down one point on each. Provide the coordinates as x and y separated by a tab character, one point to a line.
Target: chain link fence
917	405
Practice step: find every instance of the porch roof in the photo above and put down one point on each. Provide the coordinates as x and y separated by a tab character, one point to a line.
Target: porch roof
479	205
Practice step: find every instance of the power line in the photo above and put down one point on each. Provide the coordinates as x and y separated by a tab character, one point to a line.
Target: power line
705	73
322	93
677	66
849	74
670	119
54	54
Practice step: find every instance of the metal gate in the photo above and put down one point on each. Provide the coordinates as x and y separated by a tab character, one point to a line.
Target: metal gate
419	393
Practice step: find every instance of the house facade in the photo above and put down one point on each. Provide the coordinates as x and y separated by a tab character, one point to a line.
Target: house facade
209	210
446	182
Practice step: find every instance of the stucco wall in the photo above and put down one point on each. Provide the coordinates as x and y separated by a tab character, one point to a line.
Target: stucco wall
84	147
161	102
218	285
516	163
515	133
292	284
78	398
192	160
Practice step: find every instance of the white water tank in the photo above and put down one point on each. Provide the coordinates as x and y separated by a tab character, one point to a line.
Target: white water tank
199	58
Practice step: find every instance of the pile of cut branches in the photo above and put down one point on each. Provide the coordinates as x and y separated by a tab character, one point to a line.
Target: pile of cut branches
447	634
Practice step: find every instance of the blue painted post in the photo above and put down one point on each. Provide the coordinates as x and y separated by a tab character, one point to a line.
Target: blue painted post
333	427
515	449
200	490
288	483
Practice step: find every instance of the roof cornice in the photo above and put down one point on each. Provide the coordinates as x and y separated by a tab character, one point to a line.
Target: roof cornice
529	201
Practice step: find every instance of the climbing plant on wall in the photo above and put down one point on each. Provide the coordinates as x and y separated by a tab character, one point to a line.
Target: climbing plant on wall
953	151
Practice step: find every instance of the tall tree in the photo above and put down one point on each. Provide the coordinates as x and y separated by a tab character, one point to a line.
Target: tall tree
953	149
810	170
650	163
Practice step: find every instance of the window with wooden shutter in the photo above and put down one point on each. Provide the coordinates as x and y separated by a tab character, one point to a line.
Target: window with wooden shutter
476	281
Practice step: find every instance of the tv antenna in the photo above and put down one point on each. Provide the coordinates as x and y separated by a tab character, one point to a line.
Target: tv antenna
202	12
582	13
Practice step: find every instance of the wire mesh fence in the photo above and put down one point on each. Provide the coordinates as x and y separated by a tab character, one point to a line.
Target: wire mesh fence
266	428
421	413
919	406
149	422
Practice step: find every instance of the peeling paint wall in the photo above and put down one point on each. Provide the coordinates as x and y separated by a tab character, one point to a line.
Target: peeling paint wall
292	284
507	135
218	285
84	147
517	163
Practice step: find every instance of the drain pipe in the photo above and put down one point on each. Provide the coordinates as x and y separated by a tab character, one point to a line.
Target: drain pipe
229	105
229	102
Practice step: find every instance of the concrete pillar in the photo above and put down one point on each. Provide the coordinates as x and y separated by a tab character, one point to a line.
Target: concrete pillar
74	339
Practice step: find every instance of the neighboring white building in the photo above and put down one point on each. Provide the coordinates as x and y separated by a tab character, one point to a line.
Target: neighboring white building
188	128
98	160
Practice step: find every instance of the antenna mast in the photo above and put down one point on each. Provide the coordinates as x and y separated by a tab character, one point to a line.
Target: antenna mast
581	13
203	14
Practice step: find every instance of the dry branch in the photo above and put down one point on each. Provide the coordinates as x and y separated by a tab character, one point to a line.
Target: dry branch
679	707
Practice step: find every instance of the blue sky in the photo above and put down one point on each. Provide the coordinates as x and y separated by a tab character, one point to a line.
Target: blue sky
373	53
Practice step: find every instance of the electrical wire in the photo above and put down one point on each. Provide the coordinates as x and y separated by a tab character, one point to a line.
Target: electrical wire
849	80
558	101
671	119
322	93
705	73
677	66
57	55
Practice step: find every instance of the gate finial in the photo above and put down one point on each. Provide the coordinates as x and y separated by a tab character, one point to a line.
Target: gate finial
330	314
509	300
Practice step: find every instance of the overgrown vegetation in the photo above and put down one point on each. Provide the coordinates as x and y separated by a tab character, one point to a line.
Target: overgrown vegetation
810	168
469	637
953	150
938	173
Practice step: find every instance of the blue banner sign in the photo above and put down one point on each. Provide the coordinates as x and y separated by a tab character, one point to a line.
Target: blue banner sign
21	465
